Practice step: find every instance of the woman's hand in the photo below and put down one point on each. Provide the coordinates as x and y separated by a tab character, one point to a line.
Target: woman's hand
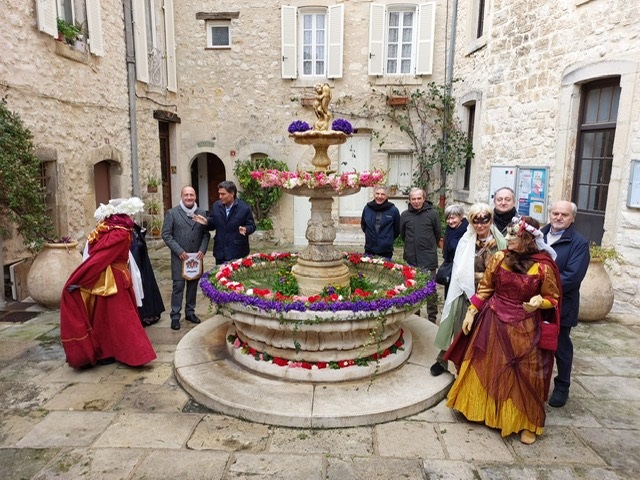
533	304
467	323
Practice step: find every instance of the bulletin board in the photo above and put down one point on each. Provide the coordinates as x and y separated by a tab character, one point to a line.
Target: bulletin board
532	192
633	201
501	177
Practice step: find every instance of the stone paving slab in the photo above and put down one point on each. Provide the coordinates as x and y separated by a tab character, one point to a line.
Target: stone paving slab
618	448
153	398
67	429
15	425
87	463
373	468
343	441
409	439
148	430
218	432
24	463
182	465
612	388
475	443
85	396
246	466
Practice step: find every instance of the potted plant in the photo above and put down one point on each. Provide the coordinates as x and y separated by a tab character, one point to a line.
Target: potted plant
397	101
393	189
22	208
68	31
155	227
152	185
596	290
153	207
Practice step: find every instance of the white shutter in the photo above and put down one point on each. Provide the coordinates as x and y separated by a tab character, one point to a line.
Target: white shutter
336	41
94	24
426	24
47	19
376	39
140	40
288	32
170	32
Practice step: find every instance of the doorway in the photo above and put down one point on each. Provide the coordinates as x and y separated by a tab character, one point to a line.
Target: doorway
207	171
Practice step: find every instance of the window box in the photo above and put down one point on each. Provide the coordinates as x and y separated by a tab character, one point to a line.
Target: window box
397	101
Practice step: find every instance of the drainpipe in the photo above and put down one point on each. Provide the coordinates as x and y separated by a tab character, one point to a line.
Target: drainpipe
449	73
131	86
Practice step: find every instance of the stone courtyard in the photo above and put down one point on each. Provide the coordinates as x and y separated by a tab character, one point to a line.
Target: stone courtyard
116	422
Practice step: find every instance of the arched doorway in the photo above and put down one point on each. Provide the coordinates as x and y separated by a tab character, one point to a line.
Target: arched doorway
207	171
103	176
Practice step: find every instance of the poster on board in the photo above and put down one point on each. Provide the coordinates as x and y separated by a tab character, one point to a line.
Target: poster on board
501	177
531	193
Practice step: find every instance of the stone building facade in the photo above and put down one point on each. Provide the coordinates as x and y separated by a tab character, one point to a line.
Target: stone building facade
554	84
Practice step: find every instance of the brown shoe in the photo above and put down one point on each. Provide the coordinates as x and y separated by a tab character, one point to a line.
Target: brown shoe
527	437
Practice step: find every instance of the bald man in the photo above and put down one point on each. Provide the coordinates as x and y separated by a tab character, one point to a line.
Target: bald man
573	259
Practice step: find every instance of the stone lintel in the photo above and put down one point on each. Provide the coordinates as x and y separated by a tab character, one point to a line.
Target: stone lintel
166	116
217	15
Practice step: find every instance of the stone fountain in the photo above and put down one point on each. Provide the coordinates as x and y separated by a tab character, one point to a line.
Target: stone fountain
220	375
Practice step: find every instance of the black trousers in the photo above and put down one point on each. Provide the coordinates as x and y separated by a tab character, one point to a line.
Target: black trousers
564	360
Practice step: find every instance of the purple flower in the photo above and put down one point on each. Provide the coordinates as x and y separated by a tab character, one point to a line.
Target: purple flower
342	125
298	126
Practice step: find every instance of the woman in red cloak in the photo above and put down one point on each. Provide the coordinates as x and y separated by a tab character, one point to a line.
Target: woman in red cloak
99	320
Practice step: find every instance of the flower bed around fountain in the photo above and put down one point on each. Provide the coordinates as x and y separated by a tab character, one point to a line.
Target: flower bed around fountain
326	328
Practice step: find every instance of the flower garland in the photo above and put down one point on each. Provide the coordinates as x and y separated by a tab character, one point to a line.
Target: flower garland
219	286
337	181
283	362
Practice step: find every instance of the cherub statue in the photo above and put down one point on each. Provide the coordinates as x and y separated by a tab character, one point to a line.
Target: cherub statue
321	106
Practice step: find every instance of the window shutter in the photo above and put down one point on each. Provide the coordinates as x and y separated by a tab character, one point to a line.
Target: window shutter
47	20
140	40
336	41
94	24
376	39
426	24
170	41
288	33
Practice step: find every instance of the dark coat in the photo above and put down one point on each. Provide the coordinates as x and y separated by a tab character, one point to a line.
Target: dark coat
228	243
380	242
421	232
152	304
573	260
183	234
451	238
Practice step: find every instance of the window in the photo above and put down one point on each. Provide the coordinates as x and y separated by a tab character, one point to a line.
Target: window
219	34
155	59
312	41
596	134
401	168
73	11
401	39
471	124
480	18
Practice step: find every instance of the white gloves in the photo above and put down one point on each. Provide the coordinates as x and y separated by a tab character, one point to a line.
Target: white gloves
467	323
533	304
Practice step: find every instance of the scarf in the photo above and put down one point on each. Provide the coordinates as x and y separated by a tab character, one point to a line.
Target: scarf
380	207
501	220
189	211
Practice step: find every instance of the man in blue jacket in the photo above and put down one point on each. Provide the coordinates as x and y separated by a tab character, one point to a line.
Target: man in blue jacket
573	259
380	223
233	222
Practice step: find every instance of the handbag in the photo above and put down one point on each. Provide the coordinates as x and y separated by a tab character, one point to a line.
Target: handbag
548	336
443	274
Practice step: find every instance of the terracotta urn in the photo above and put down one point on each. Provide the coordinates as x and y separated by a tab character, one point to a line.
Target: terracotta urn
50	271
596	293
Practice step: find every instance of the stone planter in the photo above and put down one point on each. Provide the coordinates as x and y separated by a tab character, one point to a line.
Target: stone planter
596	294
50	271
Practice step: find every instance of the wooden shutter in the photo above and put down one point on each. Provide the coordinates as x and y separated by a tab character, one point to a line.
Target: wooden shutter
47	19
170	40
289	47
376	39
140	40
94	24
336	41
424	52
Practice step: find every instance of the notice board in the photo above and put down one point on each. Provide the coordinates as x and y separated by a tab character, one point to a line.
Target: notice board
531	185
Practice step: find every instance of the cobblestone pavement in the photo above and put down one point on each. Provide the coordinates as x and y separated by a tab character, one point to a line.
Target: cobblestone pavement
116	422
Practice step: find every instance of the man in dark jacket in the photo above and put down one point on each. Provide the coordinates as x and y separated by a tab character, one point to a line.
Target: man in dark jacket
233	222
573	259
504	201
380	223
420	229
